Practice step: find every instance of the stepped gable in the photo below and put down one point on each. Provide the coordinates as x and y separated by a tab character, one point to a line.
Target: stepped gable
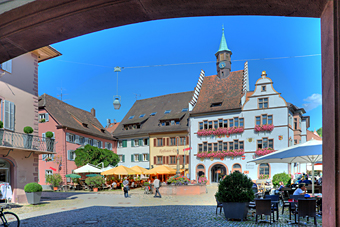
227	91
72	117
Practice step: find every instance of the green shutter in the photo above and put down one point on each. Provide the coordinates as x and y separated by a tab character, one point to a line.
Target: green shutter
147	142
124	143
123	158
132	143
140	157
147	156
132	158
140	142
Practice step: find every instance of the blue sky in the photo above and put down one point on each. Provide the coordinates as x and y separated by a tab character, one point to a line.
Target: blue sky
85	69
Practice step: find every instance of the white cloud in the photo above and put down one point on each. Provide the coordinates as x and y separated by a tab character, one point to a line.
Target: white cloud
312	102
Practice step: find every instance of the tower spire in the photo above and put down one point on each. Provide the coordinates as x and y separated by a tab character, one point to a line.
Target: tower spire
223	44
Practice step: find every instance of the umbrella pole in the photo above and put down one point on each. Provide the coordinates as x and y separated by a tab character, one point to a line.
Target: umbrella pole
313	179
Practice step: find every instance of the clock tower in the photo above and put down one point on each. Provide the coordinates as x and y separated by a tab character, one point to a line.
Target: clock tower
223	62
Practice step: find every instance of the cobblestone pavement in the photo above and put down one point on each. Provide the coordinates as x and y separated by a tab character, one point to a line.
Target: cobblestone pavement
110	208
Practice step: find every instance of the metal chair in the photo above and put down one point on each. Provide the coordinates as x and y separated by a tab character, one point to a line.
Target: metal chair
263	207
306	207
275	205
219	205
293	205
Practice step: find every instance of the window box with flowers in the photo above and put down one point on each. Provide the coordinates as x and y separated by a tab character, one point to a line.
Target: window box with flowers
219	132
220	154
264	151
263	177
264	128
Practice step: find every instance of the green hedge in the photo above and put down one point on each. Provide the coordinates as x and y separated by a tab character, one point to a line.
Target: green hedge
28	130
1	124
49	134
33	187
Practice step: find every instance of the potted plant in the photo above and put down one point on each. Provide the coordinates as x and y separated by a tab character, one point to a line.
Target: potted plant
1	132
95	182
202	180
235	192
55	180
28	138
49	141
33	192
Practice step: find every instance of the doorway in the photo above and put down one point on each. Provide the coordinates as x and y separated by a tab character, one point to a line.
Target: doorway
5	171
217	172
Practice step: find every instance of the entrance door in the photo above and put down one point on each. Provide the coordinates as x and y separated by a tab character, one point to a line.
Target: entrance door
217	172
4	171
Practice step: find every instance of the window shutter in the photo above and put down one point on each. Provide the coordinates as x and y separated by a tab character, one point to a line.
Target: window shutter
132	143
86	141
12	108
46	117
164	159
167	160
181	157
187	159
132	160
155	160
69	155
124	143
163	141
140	142
155	142
147	157
123	158
77	139
67	137
167	141
53	135
43	135
140	157
9	115
147	141
187	140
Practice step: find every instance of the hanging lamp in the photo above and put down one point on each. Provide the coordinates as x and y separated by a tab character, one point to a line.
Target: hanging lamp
117	98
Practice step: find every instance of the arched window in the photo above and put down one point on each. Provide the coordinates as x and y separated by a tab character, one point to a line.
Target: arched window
200	167
200	171
264	169
237	167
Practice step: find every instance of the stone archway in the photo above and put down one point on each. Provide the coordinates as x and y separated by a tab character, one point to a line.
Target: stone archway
214	178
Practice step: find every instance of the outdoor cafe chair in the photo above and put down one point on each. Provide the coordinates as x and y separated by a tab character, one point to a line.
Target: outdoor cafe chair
306	207
293	205
219	205
263	207
275	205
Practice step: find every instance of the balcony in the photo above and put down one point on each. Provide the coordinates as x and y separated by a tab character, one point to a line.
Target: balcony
26	141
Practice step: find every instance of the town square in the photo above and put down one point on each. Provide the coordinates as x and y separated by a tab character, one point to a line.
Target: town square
179	113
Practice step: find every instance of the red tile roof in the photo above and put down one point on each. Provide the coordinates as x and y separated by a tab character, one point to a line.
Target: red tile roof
312	135
227	90
112	127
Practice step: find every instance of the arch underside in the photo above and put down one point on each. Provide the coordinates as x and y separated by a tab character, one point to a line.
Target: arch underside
41	23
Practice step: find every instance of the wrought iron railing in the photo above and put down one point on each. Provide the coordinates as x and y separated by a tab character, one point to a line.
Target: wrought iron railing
26	141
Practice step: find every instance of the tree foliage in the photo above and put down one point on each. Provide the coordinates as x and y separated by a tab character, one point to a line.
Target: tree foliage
319	131
235	187
94	156
55	180
96	181
284	177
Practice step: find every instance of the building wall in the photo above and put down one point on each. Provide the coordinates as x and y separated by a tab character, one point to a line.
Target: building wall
61	163
129	150
166	151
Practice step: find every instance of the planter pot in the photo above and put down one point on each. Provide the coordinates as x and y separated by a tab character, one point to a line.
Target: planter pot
1	135
222	159
95	189
33	197
49	144
28	140
55	188
234	210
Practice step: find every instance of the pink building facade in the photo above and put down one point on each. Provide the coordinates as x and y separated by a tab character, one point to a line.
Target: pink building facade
72	128
18	109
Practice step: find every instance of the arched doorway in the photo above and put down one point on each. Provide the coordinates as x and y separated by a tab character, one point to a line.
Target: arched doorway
217	172
200	171
5	171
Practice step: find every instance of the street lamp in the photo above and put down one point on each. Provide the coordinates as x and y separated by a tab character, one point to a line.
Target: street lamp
117	98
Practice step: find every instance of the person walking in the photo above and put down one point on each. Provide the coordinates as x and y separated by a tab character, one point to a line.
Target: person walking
156	184
126	187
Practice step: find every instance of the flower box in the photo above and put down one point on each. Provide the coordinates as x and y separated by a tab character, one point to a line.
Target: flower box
219	131
263	128
220	154
264	151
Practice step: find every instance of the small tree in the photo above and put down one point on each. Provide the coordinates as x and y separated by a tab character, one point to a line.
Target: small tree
94	156
95	182
319	131
235	187
55	180
284	177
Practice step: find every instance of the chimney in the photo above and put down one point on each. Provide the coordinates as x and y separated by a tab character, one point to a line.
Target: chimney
93	112
108	122
114	121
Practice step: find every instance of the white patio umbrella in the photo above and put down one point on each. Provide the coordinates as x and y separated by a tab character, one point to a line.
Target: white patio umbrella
308	152
106	168
88	168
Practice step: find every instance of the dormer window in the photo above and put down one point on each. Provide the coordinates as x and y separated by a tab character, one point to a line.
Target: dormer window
216	104
185	110
263	88
153	114
141	115
167	111
85	125
103	130
131	116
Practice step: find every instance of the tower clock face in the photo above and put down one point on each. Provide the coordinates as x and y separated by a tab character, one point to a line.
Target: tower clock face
222	65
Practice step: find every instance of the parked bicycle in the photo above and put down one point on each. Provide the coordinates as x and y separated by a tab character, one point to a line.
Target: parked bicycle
9	219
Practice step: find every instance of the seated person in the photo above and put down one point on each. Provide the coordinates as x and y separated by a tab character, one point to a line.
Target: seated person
281	186
307	181
301	190
298	181
114	185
